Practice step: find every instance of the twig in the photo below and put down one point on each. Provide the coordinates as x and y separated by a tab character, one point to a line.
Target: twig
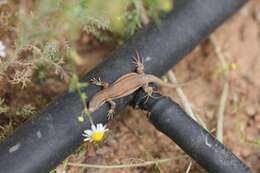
181	95
221	111
184	101
117	166
189	167
225	91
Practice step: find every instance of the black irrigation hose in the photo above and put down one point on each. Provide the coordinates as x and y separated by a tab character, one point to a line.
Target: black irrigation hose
169	118
42	143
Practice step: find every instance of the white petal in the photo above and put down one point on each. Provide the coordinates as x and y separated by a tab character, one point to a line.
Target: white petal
2	46
87	139
100	127
85	135
88	132
93	127
2	54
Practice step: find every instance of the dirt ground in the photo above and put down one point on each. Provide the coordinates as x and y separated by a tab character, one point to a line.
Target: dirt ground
133	139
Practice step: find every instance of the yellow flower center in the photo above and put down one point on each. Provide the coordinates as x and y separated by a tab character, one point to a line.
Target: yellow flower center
97	136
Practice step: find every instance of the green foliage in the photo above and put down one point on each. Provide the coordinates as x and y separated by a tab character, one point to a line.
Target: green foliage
3	107
59	20
48	30
133	20
77	86
5	130
51	51
7	19
25	111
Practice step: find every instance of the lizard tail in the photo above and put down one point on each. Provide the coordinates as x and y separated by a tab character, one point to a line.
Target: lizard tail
154	79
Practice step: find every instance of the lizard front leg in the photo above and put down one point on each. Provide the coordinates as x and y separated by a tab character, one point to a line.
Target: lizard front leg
111	111
99	82
138	61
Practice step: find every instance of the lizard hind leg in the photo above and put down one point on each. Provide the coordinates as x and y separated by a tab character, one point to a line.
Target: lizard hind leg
138	61
149	92
99	82
111	111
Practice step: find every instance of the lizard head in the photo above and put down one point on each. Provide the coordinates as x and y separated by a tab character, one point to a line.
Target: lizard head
94	104
92	107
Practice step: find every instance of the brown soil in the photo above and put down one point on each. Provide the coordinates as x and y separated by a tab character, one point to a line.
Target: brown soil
132	138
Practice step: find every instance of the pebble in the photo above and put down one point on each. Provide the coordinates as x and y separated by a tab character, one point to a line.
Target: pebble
257	121
251	110
257	118
245	152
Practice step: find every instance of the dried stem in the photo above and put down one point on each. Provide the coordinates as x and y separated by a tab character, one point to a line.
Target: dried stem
189	167
131	165
184	101
225	91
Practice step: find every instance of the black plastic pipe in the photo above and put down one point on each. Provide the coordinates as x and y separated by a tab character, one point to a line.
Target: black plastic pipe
42	143
169	118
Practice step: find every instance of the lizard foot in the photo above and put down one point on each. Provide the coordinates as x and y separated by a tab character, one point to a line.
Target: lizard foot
147	96
149	93
99	82
138	61
110	114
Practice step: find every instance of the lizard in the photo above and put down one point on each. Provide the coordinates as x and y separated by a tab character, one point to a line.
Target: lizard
124	86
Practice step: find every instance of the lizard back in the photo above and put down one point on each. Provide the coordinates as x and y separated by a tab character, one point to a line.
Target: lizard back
125	85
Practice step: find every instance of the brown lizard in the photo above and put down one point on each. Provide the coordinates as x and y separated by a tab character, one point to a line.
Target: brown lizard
124	86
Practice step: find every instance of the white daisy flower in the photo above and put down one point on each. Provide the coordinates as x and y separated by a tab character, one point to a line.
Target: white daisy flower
2	50
96	133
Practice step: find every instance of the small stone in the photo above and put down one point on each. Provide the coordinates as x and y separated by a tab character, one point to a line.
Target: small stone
245	11
257	118
251	110
245	152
